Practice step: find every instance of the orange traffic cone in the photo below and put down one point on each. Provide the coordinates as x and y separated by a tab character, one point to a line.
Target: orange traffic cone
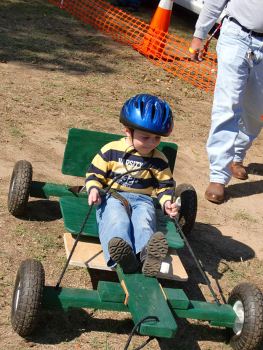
154	41
162	17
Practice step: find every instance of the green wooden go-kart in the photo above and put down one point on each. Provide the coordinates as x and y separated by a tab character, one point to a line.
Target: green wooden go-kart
152	306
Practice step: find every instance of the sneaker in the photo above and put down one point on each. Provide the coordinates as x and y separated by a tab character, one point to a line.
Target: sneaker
121	252
153	254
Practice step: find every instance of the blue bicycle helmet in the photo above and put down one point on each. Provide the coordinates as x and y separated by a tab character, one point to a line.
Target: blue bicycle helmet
148	113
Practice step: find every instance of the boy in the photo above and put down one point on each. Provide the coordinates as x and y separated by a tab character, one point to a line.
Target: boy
126	217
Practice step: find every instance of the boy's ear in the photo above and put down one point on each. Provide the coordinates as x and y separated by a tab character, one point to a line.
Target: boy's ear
128	132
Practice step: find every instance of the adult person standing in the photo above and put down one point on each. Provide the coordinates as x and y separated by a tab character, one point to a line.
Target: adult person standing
237	113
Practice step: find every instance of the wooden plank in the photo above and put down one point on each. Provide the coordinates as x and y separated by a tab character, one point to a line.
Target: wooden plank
88	253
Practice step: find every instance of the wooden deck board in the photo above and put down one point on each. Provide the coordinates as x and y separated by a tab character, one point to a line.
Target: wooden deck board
88	253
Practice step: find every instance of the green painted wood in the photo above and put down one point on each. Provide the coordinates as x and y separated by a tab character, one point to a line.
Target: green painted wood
64	298
167	226
147	299
82	145
177	298
144	300
74	211
218	315
45	190
222	315
111	291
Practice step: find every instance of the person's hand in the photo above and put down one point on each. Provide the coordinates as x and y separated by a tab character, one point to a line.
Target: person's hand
196	49
172	209
94	196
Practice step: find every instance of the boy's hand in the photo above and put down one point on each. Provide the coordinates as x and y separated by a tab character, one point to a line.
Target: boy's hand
94	196
172	209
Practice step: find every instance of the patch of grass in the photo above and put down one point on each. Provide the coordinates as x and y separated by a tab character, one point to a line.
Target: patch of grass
21	230
245	271
235	276
45	241
41	243
100	343
244	216
16	132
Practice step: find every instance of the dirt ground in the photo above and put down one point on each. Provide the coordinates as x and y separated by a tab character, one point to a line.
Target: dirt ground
56	74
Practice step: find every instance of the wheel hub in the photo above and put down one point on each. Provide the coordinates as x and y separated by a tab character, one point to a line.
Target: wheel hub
17	295
239	322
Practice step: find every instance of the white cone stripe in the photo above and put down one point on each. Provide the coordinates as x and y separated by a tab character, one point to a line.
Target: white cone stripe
166	4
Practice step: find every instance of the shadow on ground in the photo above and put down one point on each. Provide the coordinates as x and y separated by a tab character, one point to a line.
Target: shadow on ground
42	210
188	336
255	169
38	33
58	327
212	250
245	189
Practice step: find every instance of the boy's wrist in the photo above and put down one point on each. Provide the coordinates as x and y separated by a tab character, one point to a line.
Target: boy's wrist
91	188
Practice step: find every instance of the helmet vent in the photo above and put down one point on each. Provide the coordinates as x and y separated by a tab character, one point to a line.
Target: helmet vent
141	107
153	112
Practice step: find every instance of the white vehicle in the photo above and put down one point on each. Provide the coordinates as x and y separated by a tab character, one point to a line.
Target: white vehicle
192	5
195	6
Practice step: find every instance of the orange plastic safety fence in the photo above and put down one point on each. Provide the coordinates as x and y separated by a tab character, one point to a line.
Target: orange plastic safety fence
166	50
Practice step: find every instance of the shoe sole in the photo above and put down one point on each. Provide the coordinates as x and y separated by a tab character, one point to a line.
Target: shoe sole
122	253
157	249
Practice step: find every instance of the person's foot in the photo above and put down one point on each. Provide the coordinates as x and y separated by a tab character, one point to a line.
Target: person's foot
215	192
238	170
121	252
153	254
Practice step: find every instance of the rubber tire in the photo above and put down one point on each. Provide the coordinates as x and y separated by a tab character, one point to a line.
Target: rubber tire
188	207
19	188
251	335
27	297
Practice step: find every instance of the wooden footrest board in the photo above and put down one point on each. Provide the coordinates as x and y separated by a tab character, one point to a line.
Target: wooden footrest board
88	253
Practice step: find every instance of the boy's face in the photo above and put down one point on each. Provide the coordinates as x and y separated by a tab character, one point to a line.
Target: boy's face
144	142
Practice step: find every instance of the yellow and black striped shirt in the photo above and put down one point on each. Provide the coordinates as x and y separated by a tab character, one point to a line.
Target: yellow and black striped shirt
116	158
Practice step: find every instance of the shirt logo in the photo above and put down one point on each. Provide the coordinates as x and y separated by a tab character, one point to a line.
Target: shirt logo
132	164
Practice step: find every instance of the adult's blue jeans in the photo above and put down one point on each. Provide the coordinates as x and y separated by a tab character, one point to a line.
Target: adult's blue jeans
114	221
237	114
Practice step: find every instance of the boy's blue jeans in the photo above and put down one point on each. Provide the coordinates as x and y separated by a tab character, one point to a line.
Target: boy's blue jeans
237	115
113	221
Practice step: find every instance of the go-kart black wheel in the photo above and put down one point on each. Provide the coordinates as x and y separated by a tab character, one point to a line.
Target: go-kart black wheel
19	187
247	302
27	297
188	207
